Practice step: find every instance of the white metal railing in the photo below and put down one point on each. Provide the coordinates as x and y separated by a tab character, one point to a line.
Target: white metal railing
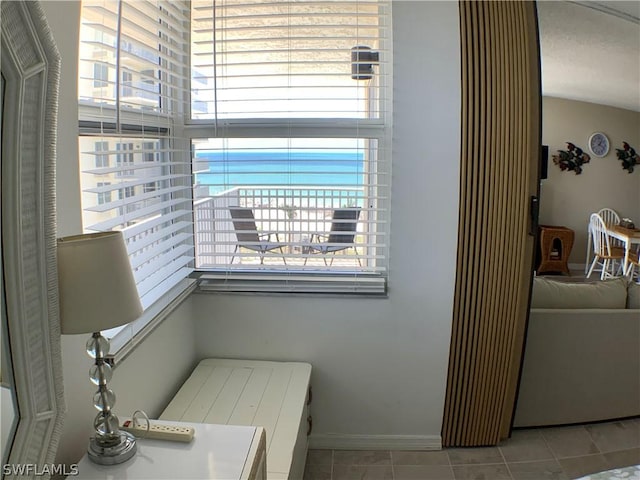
298	215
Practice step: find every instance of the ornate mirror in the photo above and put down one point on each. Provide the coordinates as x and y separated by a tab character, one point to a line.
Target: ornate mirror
31	364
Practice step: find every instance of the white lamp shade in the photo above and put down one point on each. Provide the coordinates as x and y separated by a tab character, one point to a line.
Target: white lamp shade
96	285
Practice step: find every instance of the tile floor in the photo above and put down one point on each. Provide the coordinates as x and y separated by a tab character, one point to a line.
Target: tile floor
561	453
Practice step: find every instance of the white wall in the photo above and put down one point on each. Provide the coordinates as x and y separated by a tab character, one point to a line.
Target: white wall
568	199
379	365
149	377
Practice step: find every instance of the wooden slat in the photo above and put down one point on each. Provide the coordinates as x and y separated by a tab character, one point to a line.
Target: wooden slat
499	151
289	424
245	411
271	405
227	399
204	395
181	401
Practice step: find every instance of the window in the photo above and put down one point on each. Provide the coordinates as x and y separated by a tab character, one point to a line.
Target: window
149	153
127	84
139	116
126	192
278	106
124	159
103	196
296	94
102	159
100	75
149	77
150	187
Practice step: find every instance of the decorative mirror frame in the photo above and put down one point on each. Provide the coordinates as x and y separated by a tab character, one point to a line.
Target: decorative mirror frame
31	67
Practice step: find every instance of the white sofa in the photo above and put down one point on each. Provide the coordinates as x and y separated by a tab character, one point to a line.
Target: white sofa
582	353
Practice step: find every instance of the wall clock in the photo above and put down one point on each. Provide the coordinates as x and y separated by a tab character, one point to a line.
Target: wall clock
599	144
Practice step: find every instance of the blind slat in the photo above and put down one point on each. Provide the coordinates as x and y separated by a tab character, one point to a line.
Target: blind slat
173	241
165	285
169	265
151	238
152	224
135	215
123	182
118	204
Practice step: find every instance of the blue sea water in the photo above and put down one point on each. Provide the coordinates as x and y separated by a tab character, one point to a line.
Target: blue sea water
290	168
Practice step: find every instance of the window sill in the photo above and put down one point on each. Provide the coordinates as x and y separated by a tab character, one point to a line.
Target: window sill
342	284
131	335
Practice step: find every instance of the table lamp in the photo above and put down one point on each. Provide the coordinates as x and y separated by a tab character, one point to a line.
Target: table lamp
97	292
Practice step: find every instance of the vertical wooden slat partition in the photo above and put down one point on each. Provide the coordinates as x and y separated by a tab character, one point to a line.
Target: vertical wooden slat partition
499	157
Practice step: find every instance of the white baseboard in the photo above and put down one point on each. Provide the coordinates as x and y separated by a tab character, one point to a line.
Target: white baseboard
335	441
576	267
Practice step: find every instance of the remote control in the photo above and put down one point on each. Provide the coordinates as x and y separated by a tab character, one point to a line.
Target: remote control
158	431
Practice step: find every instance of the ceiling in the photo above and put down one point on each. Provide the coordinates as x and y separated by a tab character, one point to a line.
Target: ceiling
591	51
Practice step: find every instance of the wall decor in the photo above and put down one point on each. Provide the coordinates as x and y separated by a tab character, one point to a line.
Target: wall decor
627	154
571	159
599	144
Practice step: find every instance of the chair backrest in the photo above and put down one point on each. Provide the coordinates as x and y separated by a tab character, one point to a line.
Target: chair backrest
343	225
609	216
601	244
244	224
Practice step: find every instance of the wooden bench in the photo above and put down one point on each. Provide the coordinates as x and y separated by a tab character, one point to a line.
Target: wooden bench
273	395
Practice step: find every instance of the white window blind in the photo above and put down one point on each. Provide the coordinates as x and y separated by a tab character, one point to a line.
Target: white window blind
291	120
297	52
134	162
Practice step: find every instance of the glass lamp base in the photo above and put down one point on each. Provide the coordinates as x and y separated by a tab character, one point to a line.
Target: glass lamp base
119	453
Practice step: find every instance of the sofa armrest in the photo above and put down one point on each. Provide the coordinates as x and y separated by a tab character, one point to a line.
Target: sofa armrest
579	366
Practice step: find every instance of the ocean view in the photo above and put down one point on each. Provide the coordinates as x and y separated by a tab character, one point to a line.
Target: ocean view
291	168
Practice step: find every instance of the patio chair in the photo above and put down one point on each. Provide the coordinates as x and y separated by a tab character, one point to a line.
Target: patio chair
341	237
244	224
604	253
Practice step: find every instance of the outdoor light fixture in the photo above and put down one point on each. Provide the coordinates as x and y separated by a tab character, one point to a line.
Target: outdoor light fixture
98	292
362	61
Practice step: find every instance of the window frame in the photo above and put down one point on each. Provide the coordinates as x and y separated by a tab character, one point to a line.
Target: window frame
379	129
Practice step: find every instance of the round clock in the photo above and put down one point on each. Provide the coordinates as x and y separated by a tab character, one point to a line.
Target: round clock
599	144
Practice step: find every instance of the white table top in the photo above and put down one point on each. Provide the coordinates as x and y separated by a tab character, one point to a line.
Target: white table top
216	452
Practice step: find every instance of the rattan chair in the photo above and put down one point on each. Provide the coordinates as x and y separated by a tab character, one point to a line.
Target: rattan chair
344	224
244	224
605	254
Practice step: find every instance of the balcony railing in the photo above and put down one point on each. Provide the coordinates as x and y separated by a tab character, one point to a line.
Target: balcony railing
296	217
